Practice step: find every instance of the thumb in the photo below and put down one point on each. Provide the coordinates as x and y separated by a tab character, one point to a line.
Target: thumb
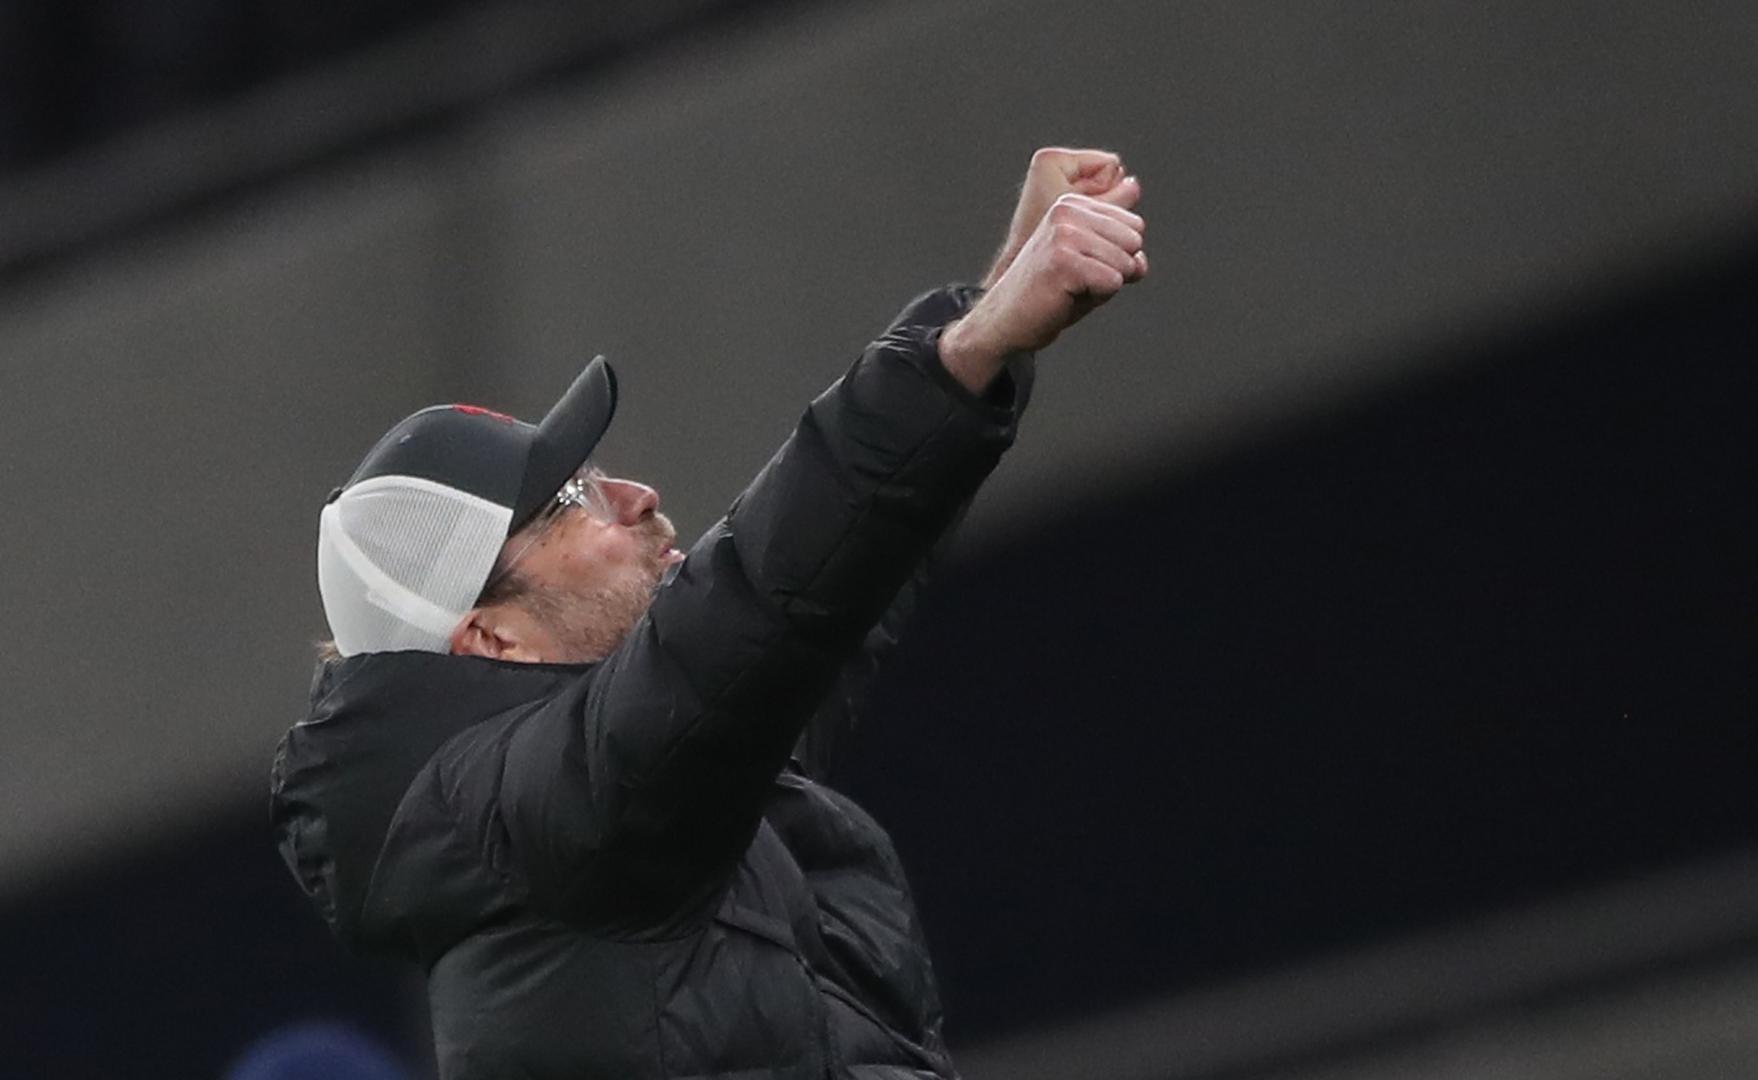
1098	178
1125	193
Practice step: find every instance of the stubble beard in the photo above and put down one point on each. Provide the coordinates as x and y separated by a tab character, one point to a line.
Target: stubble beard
588	625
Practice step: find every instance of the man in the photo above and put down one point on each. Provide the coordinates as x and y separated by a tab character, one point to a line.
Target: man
574	773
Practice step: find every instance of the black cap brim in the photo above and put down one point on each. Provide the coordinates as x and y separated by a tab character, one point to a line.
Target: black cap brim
566	438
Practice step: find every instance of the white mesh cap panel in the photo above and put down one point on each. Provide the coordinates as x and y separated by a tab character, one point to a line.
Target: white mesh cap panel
401	559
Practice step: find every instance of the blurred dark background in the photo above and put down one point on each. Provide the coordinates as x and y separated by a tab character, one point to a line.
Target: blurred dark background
1350	673
80	70
75	72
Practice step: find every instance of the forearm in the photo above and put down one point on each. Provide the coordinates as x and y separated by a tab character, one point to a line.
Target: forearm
842	708
879	464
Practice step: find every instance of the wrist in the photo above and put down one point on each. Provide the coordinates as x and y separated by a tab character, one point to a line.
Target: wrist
1003	259
971	355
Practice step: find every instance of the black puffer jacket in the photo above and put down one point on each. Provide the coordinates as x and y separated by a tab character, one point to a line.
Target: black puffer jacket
628	869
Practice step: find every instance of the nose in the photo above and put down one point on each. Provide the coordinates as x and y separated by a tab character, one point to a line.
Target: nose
632	499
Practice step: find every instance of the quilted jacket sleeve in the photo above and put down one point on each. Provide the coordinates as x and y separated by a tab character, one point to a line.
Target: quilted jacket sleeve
843	709
628	799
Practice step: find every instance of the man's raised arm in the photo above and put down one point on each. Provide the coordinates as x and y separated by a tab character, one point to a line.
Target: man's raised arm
629	799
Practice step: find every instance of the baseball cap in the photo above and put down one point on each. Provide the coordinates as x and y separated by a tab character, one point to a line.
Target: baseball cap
406	545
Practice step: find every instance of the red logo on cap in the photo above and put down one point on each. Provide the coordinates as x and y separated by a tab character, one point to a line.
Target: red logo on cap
477	410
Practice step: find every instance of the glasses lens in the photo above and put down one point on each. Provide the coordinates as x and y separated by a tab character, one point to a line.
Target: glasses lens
586	491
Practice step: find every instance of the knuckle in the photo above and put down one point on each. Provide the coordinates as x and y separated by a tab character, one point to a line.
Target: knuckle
1104	274
1066	212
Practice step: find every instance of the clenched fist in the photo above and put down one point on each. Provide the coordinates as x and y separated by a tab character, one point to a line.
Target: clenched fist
1054	172
1077	254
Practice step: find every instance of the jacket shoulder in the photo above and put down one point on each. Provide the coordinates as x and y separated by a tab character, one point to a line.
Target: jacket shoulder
364	784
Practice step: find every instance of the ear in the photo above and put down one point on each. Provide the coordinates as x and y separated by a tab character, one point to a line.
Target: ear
482	633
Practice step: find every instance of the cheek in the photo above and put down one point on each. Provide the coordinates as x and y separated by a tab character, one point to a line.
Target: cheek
608	559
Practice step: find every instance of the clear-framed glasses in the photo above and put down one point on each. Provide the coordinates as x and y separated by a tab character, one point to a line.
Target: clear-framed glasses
583	491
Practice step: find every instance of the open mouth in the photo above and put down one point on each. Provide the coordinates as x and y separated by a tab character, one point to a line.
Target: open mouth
666	550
